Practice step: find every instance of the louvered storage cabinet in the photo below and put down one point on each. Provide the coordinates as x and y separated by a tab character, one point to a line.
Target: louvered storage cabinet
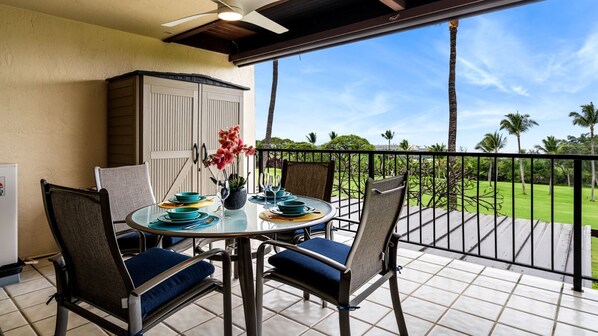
172	122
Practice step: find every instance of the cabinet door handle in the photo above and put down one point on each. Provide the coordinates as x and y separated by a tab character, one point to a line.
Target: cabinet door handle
205	151
195	153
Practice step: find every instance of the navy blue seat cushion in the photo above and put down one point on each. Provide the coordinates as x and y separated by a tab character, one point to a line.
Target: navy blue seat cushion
154	261
316	228
310	271
130	241
168	241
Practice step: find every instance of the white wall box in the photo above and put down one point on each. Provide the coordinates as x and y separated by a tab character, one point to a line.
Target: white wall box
10	264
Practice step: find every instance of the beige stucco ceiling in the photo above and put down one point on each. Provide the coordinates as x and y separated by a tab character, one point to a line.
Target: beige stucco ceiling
141	17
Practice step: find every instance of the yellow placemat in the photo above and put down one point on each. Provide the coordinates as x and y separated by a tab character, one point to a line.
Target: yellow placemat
200	204
270	217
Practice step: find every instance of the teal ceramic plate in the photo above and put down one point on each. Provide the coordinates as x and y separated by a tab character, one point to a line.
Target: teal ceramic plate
200	216
307	210
263	196
175	201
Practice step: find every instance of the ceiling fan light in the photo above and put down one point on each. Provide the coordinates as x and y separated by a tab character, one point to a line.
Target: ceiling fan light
228	14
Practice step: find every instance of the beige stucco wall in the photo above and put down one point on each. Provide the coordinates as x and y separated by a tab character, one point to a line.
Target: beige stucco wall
53	101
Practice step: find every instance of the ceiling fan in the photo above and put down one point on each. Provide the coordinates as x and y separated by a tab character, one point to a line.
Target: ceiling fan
237	10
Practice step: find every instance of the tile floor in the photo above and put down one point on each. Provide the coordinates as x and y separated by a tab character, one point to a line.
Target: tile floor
440	296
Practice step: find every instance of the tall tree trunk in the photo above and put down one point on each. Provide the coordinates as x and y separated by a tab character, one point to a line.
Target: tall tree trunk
270	112
452	95
389	144
521	172
272	104
592	162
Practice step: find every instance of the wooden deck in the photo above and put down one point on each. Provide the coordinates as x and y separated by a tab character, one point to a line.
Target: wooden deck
485	235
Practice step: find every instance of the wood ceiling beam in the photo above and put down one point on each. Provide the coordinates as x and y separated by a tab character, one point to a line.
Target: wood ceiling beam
431	13
395	5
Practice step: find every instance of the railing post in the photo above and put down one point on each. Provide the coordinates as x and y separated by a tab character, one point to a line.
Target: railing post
371	165
260	164
577	222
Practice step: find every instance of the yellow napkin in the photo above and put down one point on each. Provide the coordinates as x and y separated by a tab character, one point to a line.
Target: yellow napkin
270	217
200	204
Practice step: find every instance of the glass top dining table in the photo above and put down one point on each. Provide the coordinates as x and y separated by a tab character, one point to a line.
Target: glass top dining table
241	225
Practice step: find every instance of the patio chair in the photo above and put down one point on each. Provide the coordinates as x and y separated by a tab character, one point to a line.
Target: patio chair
312	179
334	271
130	189
141	291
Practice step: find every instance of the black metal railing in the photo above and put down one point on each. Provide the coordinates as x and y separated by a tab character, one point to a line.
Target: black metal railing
456	203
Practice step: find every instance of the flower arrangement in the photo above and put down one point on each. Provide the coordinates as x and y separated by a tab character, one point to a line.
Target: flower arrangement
231	147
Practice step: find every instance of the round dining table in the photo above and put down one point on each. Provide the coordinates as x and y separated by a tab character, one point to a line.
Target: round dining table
241	225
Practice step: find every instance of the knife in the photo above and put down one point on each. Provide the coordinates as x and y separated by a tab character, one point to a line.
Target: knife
193	226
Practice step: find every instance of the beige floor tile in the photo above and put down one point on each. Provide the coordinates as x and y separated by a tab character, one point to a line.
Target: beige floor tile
488	282
214	304
162	330
578	318
211	327
330	326
435	295
88	329
46	270
46	326
409	253
532	323
450	285
569	330
443	331
424	266
188	317
307	312
503	330
239	316
537	294
588	293
478	307
278	323
466	323
415	275
7	306
532	306
466	266
370	312
312	332
501	274
403	261
415	326
423	309
431	258
30	275
278	300
406	287
41	262
40	311
487	294
541	283
34	298
382	296
3	294
579	303
27	287
12	320
456	274
25	330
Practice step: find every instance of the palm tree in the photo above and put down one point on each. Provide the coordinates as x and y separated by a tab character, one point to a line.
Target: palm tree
404	145
452	92
517	124
388	135
272	104
332	135
588	118
311	137
437	148
492	143
551	145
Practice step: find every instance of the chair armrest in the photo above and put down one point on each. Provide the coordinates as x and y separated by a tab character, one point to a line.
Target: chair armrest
62	286
153	282
321	258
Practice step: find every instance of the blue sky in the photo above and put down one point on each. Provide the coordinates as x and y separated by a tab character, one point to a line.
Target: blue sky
540	59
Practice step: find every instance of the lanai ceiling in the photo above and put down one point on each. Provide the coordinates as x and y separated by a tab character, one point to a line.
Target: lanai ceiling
311	24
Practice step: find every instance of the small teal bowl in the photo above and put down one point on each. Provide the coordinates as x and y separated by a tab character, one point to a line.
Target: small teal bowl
183	213
187	196
279	193
291	206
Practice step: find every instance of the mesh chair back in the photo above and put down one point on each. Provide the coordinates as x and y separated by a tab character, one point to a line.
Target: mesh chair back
129	187
81	224
313	179
381	209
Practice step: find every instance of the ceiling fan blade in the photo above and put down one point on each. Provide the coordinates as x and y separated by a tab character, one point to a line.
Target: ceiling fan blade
262	21
251	5
188	18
